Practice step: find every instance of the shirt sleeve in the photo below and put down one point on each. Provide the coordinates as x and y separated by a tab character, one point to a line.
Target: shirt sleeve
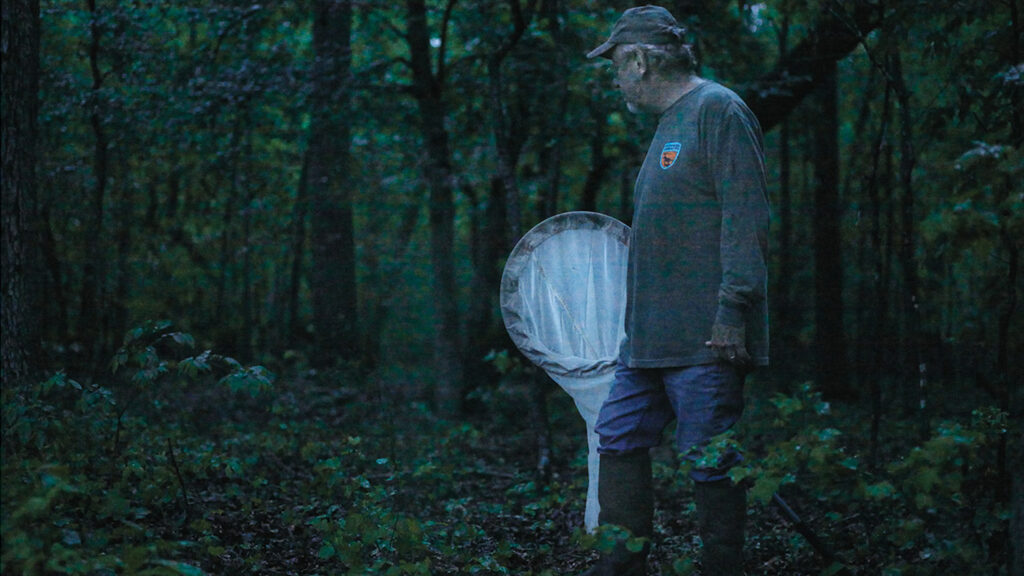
736	157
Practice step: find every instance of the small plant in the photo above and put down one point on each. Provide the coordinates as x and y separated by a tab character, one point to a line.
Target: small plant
75	493
919	503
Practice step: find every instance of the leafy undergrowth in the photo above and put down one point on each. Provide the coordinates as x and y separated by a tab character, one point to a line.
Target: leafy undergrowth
182	469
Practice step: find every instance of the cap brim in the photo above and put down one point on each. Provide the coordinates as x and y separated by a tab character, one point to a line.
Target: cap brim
601	51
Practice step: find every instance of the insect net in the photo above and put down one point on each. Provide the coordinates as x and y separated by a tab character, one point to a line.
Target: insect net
563	297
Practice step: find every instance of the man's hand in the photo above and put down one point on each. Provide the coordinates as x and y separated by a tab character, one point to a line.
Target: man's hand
729	342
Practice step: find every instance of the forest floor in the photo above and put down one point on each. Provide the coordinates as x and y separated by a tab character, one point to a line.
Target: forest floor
339	480
335	474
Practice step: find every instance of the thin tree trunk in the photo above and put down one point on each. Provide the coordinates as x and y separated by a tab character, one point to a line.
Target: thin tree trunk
784	325
508	144
122	290
298	250
223	309
488	244
333	278
245	340
554	12
828	263
889	340
880	292
598	171
1016	91
428	89
1015	390
506	156
59	330
908	256
93	308
506	138
379	304
627	181
19	272
865	251
1017	499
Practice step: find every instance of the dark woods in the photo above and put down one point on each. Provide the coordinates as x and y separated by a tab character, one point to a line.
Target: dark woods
325	187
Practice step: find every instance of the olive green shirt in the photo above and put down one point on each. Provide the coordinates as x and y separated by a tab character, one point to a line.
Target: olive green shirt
699	235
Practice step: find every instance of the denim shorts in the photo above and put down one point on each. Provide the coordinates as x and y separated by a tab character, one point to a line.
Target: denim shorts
705	400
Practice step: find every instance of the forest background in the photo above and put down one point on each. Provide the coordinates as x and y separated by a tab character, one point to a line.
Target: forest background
251	256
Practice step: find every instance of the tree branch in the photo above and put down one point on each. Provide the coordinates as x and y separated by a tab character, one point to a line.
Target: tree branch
773	96
442	53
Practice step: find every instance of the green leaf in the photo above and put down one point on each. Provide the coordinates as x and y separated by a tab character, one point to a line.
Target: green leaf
183	338
787	406
834	568
179	567
684	566
326	552
880	490
635	544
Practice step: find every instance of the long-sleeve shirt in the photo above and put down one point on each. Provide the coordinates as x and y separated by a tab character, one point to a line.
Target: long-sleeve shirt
699	234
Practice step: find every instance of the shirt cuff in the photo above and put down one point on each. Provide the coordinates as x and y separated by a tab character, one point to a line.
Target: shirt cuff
730	315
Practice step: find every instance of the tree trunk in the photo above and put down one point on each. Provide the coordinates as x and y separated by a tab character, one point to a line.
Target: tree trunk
223	309
1011	445
785	325
93	308
19	271
598	171
830	349
428	90
811	62
488	246
298	250
508	132
1016	91
1017	499
863	312
56	318
627	181
248	332
554	13
122	289
333	278
908	242
379	302
880	290
505	153
1015	391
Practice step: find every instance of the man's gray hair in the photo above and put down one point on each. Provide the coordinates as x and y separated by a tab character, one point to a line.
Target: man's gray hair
667	59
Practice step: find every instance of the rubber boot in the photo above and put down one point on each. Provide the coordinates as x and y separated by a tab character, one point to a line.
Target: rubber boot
722	516
626	495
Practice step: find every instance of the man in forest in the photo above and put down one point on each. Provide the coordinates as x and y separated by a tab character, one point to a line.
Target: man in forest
696	313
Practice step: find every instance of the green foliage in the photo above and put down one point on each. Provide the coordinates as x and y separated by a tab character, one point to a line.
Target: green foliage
606	538
68	507
920	501
182	457
76	494
313	481
140	353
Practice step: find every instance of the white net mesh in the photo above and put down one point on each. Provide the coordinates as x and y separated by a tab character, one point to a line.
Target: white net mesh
563	297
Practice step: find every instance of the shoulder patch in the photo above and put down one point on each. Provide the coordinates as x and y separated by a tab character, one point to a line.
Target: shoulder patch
669	154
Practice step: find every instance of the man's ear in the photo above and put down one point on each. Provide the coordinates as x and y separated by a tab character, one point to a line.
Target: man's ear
641	61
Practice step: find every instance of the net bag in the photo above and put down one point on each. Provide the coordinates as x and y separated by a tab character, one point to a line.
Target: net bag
563	298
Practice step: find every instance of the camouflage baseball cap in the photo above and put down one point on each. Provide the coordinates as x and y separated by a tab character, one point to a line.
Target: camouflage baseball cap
641	25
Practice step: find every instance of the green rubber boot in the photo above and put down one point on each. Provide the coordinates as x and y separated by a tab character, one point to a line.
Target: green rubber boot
722	516
627	500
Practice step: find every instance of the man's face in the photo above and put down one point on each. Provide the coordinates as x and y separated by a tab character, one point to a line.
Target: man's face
629	77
